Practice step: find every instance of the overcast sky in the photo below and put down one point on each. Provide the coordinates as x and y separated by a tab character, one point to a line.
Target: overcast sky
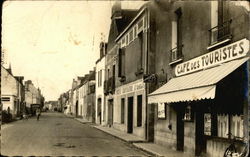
52	42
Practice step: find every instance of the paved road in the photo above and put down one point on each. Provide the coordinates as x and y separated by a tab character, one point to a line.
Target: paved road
57	135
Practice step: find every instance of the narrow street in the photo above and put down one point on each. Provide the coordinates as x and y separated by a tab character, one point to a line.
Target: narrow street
57	135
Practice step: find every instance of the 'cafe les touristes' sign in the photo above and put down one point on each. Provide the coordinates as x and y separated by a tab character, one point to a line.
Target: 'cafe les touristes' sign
230	52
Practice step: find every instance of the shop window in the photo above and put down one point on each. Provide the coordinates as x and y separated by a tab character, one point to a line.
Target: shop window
122	110
162	111
139	110
188	115
223	125
237	125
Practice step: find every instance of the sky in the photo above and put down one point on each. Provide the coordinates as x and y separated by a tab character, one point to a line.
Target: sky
52	42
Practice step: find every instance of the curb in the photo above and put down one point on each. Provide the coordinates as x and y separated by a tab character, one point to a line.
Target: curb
147	151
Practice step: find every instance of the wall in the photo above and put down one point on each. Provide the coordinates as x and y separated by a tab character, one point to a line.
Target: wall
163	134
137	130
9	89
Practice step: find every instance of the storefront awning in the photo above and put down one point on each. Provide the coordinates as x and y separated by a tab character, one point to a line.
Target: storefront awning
195	86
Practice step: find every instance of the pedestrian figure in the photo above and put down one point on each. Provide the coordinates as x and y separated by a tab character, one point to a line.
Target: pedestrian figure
38	113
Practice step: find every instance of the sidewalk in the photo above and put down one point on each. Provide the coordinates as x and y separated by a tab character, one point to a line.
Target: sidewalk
151	148
158	150
140	143
121	135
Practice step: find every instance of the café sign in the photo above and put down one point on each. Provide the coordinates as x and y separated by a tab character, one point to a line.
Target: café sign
227	53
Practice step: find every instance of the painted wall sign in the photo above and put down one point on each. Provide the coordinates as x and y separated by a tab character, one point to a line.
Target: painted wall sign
130	88
227	53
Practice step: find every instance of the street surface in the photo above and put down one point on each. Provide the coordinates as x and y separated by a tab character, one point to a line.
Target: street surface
57	135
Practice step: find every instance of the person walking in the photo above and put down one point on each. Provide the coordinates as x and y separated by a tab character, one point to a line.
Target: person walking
38	113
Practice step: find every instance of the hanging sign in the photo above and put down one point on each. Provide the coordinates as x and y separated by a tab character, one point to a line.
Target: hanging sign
227	53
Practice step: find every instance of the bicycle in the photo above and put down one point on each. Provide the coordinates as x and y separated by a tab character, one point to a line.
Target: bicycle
232	151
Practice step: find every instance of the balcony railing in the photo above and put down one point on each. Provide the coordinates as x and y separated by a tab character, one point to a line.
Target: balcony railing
176	54
220	32
109	85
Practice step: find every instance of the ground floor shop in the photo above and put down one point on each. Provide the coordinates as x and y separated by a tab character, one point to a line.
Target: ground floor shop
108	111
130	108
198	113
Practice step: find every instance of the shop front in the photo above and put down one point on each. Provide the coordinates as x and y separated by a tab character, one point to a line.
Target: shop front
130	108
209	99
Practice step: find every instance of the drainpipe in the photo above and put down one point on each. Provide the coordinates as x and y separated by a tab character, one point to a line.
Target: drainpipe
147	72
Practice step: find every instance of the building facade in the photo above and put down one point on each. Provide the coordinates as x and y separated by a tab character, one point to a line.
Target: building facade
100	77
12	92
201	68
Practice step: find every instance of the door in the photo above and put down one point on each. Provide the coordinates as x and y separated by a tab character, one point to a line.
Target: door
99	111
199	132
76	108
180	129
110	112
151	119
130	115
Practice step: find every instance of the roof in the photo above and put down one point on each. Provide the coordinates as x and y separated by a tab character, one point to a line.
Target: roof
118	25
127	17
195	86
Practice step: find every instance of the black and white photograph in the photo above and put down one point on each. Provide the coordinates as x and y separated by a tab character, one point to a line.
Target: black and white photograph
129	78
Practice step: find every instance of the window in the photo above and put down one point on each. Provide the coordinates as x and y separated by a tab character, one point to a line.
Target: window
139	110
123	42
162	111
99	83
176	51
145	22
127	39
121	62
188	115
131	36
135	32
220	23
140	36
140	26
5	98
122	110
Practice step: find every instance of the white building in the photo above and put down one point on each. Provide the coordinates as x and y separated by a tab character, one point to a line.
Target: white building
9	91
100	77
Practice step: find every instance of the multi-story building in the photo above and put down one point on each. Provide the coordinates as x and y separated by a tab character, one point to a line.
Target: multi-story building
100	76
202	69
119	20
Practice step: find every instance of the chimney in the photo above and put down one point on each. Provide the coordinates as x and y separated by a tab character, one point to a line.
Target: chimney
116	10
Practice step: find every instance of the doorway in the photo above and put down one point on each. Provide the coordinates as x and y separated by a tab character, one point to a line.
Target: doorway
76	108
200	143
99	111
130	115
180	129
110	112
